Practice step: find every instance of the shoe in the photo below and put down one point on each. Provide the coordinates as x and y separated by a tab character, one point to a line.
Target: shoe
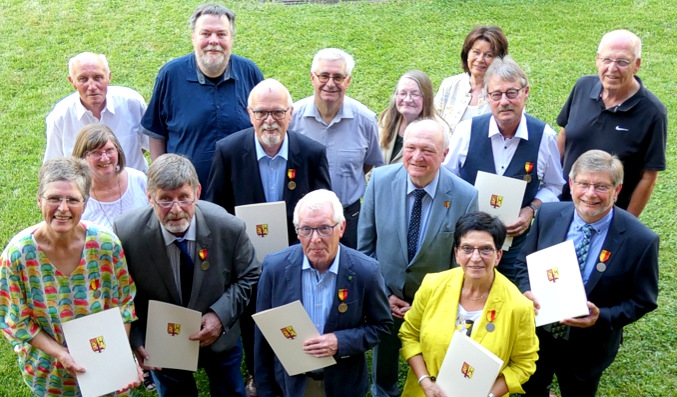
250	387
148	381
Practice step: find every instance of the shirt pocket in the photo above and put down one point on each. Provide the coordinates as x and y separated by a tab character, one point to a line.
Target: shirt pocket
351	161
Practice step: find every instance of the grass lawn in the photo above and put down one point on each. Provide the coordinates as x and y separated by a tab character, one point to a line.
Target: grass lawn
554	41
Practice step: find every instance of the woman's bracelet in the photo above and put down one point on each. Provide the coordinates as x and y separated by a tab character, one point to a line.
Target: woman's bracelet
424	377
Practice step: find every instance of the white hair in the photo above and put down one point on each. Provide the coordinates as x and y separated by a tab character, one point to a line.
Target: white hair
317	199
86	56
636	41
332	54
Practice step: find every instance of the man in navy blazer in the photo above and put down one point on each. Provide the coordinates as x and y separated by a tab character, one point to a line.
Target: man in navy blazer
620	273
385	224
343	292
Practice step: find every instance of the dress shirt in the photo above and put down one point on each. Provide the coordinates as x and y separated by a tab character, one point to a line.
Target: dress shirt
272	169
318	290
174	253
601	228
426	204
549	168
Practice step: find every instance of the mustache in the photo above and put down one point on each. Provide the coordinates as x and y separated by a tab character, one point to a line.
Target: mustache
504	108
273	126
213	48
171	217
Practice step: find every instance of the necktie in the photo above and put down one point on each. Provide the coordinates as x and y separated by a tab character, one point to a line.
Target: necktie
186	271
414	224
584	245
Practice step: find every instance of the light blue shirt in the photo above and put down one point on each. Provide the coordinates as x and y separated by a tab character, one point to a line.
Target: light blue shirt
601	228
318	290
272	169
426	204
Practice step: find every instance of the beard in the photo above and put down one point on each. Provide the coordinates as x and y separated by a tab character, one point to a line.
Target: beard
268	139
176	227
212	64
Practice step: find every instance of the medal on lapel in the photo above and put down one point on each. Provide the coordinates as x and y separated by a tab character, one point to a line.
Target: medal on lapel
291	174
203	255
528	167
342	295
603	257
491	316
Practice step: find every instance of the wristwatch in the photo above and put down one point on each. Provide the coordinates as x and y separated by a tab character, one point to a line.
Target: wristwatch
533	207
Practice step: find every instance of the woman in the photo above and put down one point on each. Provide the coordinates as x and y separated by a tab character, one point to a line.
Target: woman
474	299
462	97
56	271
412	100
115	189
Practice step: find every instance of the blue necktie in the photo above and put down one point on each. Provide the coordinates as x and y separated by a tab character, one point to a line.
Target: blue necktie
584	245
414	224
186	271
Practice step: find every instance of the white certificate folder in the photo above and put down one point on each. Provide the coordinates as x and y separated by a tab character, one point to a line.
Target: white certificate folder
469	369
266	226
98	342
285	329
167	332
500	196
557	284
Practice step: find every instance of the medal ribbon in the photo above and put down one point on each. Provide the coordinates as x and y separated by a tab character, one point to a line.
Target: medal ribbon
604	256
342	294
528	166
491	316
202	254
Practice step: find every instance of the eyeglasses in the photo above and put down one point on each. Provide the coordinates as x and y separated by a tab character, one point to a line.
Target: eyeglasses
278	114
55	201
511	94
415	96
167	204
622	63
599	187
324	77
483	251
97	154
323	231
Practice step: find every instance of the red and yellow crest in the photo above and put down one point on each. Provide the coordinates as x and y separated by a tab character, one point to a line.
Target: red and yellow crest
496	201
604	256
262	230
553	274
467	370
528	167
98	344
288	332
173	329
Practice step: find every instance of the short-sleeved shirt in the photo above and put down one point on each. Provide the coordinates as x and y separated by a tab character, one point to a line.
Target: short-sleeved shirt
351	140
36	297
191	113
635	131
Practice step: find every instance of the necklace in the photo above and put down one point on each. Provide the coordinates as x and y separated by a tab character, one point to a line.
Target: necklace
475	299
103	209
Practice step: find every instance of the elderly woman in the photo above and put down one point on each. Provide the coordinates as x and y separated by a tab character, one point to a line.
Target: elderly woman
462	97
59	270
474	299
412	100
115	189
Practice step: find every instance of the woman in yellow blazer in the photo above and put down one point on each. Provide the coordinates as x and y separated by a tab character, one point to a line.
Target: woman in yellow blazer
474	299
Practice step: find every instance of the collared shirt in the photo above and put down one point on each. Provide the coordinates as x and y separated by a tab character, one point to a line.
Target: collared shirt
601	228
351	139
272	169
122	113
426	204
318	290
549	167
174	253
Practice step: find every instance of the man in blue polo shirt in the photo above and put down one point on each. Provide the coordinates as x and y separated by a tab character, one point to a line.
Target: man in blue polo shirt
201	97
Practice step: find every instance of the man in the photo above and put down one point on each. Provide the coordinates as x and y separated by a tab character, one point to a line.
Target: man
200	98
191	253
267	162
407	223
119	108
511	143
343	293
618	257
345	126
615	113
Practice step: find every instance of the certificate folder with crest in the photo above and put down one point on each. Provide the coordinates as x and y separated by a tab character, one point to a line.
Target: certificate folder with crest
469	369
285	329
167	332
266	226
98	342
500	196
556	283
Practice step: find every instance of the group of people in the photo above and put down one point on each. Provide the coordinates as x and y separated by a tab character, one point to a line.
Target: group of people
392	258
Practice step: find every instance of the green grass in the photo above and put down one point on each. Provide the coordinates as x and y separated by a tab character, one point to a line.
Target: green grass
554	41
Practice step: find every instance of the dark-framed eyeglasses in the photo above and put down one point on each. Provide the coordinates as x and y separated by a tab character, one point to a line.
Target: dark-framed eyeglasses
167	204
599	187
511	94
55	201
324	77
97	154
323	231
277	114
485	251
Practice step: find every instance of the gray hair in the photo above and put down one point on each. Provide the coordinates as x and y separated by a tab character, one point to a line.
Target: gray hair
170	172
421	123
86	55
69	169
506	69
94	136
333	54
636	41
316	200
212	9
598	161
271	84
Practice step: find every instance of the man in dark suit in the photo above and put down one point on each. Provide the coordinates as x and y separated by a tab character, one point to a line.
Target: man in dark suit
407	246
618	257
190	253
343	292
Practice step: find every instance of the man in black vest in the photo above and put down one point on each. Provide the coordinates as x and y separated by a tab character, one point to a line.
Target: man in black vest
511	143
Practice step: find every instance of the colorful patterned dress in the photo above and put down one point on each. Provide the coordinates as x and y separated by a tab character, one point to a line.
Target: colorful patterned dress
35	296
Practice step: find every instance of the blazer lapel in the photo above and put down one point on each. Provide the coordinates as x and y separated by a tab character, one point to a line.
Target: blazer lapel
250	171
203	241
399	214
492	309
294	154
344	280
159	258
292	273
612	243
438	213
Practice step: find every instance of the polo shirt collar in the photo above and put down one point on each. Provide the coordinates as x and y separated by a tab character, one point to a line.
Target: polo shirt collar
521	132
202	79
596	92
283	152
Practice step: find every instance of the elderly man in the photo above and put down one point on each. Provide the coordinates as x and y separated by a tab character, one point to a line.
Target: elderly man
618	257
615	113
190	253
345	126
200	98
407	223
511	143
119	108
343	292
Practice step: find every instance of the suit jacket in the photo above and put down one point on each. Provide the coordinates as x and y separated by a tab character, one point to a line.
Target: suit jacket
235	179
357	330
625	291
382	228
430	324
224	287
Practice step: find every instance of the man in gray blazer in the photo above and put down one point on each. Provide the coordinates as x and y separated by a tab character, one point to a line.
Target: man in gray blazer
191	253
407	223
